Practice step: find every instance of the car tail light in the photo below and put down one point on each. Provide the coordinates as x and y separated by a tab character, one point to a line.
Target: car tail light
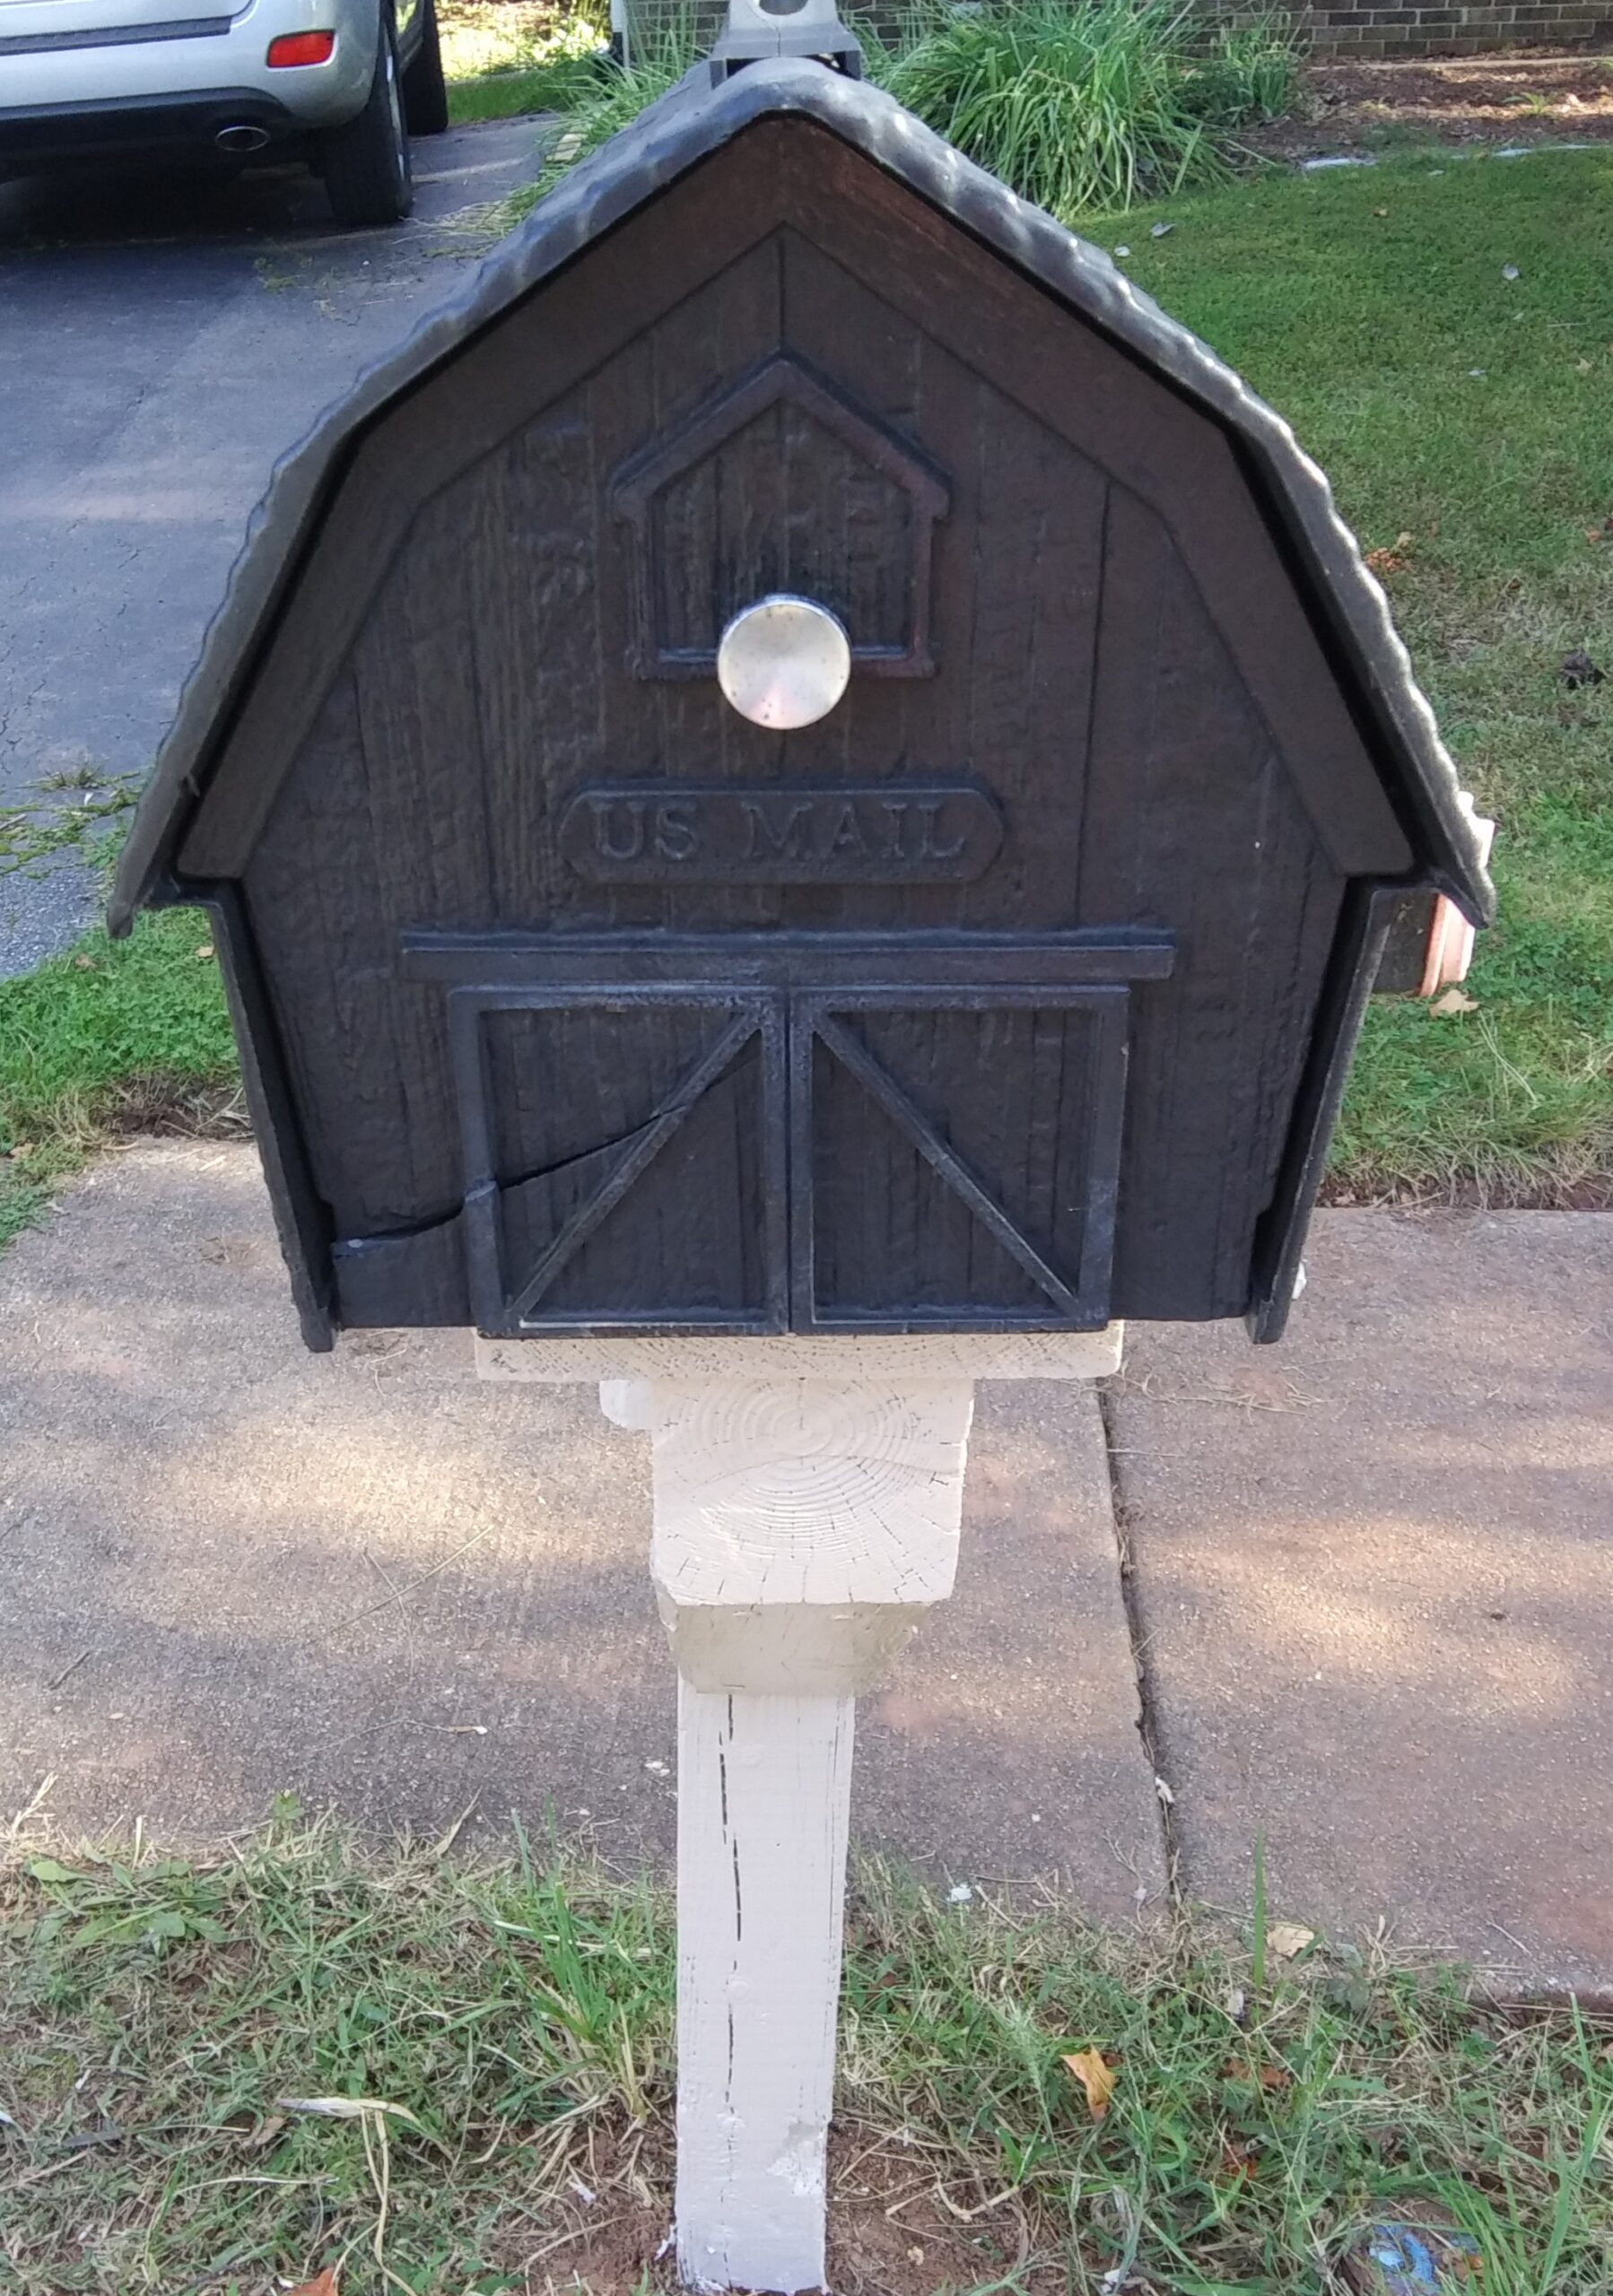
301	47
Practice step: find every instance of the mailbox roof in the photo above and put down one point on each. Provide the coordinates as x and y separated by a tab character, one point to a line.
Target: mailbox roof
673	136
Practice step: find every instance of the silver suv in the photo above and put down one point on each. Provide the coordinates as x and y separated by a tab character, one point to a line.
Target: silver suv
340	82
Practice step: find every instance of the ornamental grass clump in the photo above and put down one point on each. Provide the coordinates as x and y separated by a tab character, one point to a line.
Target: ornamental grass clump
1091	107
1079	108
1249	72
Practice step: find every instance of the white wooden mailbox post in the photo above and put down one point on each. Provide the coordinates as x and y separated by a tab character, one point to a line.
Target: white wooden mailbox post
806	1499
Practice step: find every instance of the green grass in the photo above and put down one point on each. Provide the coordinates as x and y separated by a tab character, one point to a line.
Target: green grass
1364	327
33	835
505	57
514	2021
111	1036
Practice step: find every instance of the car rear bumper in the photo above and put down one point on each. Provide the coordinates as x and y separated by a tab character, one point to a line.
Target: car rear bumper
76	83
112	127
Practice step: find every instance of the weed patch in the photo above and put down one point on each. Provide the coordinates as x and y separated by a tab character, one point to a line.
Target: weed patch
447	2076
659	59
113	1037
33	836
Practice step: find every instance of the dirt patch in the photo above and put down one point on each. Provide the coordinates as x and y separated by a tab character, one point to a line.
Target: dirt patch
898	2227
1520	98
1587	1192
891	2230
157	1104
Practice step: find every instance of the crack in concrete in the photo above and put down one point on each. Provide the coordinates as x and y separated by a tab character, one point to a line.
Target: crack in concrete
1147	1712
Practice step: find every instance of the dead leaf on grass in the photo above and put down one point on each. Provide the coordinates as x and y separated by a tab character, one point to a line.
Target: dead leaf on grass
1288	1939
1238	2161
1394	559
1095	2077
323	2283
1454	1000
1271	2078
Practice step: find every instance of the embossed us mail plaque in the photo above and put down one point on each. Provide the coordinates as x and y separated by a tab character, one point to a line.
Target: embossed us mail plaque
886	833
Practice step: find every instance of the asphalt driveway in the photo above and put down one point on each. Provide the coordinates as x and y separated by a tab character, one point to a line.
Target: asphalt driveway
162	345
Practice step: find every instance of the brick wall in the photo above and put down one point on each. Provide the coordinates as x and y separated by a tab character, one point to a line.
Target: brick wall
1475	28
1335	27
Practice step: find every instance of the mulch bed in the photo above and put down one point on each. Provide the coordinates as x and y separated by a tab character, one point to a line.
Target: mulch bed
1528	97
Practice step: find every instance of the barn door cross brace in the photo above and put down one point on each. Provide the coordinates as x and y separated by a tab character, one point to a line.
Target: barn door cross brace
501	1307
633	1159
911	1119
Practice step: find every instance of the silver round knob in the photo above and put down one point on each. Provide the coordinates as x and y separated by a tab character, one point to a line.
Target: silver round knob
784	662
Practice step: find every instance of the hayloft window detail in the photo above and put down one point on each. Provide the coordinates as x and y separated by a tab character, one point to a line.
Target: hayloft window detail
782	484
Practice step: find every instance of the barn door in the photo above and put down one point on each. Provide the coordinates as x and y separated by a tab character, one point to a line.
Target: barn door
624	1157
954	1157
768	1155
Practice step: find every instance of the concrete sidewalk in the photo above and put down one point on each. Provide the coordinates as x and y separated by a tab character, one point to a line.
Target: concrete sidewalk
1374	1587
1371	1583
228	1568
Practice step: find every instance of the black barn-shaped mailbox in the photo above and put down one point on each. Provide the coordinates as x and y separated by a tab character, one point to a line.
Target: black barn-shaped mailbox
1014	992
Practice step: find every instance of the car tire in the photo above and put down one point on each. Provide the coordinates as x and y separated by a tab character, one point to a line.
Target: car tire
366	161
424	88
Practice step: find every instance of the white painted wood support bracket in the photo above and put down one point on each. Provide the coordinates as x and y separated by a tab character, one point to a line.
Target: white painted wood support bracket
802	1525
808	1497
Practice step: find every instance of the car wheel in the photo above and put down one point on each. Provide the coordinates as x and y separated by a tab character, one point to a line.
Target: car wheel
367	160
424	89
